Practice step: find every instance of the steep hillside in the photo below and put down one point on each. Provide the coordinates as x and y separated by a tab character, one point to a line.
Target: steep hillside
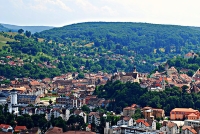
33	29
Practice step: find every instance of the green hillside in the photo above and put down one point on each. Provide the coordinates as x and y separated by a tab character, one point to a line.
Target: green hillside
96	46
146	43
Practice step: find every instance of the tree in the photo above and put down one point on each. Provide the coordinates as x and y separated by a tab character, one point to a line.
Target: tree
81	75
158	126
20	31
138	114
85	108
50	101
190	73
59	122
2	119
28	34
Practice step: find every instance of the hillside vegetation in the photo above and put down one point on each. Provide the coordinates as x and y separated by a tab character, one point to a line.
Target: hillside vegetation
147	43
95	46
126	94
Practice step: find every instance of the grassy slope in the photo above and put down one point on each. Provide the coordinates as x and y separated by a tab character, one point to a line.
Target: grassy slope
3	41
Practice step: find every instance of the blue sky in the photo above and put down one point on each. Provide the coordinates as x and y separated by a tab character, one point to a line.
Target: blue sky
64	12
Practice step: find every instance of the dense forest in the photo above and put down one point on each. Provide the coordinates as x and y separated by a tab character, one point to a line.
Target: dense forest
126	94
96	46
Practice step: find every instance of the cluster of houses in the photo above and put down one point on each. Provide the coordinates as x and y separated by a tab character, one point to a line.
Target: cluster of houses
181	120
73	93
11	61
16	61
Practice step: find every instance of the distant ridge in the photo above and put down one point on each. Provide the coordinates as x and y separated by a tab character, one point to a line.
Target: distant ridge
33	29
4	29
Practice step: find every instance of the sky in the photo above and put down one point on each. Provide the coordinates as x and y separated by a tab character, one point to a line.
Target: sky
64	12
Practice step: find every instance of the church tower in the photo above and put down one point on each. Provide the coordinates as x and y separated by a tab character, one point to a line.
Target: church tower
13	101
163	84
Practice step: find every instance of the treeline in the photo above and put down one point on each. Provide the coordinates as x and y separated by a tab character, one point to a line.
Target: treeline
126	94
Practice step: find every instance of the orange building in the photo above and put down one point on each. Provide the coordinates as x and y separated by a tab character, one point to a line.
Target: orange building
153	113
184	113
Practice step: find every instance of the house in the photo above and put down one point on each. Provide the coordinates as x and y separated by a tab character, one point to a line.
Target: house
63	101
28	99
28	110
94	117
89	128
171	71
195	123
58	112
111	129
192	116
153	113
128	111
169	127
190	55
125	77
188	130
182	113
81	113
125	120
18	129
142	123
6	128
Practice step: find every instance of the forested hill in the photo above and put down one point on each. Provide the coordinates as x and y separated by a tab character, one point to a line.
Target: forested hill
141	37
147	43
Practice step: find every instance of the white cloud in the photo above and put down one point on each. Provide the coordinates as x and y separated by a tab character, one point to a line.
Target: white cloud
57	12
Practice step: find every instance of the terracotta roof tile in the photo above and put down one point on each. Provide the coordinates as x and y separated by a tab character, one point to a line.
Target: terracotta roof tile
5	126
18	128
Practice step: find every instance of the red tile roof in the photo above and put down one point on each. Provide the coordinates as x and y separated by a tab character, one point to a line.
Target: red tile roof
143	122
19	128
4	126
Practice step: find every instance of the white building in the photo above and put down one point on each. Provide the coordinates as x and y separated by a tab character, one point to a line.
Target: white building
2	99
57	112
142	123
195	123
169	127
125	121
94	117
13	102
6	128
188	130
81	113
